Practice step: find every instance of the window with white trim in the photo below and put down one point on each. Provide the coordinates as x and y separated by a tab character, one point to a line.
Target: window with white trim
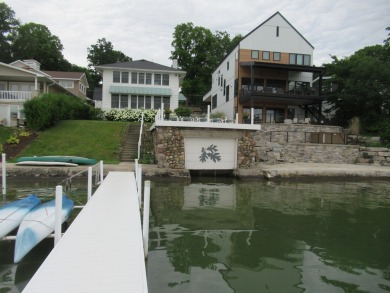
148	79
134	76
141	78
125	77
165	79
157	79
68	84
116	76
119	101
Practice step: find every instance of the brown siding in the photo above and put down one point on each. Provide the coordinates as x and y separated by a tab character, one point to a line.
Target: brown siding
245	56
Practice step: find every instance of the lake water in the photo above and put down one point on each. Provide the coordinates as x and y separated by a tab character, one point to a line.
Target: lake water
226	235
260	236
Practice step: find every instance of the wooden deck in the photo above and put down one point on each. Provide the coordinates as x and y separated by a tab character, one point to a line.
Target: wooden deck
102	250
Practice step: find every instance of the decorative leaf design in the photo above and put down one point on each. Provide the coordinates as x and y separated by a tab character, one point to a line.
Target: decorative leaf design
211	153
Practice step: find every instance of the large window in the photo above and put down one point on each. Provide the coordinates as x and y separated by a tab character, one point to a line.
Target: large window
68	84
116	76
165	79
157	102
255	54
157	79
214	102
141	78
300	59
119	101
125	77
167	102
134	77
148	78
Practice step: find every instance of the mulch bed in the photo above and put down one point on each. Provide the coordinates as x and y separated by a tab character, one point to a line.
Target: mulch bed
12	150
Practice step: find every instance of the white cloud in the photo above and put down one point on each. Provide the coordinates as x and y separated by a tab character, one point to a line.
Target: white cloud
142	29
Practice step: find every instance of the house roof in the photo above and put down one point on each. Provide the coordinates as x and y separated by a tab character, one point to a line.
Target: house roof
139	64
64	74
272	16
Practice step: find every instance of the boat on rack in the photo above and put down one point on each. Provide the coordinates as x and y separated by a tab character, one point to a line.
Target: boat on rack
57	159
12	214
38	224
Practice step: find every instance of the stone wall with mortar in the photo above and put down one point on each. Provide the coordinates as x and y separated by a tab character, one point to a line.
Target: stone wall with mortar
170	152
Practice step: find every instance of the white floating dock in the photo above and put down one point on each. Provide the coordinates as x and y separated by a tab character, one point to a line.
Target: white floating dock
102	250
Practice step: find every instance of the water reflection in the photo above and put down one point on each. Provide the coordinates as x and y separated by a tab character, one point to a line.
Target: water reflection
246	236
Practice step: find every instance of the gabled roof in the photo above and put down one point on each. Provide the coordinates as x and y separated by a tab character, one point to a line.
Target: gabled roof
64	74
272	16
139	64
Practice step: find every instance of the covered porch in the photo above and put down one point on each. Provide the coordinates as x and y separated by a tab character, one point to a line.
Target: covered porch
279	92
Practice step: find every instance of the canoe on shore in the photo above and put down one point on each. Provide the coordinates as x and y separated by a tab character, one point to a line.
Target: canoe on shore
60	159
42	163
12	214
38	224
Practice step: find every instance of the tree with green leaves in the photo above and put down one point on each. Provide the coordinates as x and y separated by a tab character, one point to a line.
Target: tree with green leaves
35	41
103	53
363	87
8	24
198	52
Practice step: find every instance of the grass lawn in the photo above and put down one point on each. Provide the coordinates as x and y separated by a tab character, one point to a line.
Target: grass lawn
99	140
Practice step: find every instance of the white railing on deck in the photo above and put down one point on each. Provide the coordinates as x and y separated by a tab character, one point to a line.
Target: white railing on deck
15	96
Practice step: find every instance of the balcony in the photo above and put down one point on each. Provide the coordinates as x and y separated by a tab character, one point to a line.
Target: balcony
15	96
294	96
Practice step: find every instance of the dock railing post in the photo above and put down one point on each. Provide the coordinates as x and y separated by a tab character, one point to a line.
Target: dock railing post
101	172
4	174
89	183
139	184
58	216
145	222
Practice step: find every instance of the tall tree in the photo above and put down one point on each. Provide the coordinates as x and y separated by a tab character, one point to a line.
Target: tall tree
363	86
103	53
198	52
35	41
8	23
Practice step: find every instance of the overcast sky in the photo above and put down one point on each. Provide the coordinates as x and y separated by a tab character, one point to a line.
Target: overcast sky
143	29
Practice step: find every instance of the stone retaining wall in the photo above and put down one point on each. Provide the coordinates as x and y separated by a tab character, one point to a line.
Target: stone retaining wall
275	143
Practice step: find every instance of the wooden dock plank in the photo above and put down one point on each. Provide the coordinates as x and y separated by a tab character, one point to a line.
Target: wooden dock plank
102	250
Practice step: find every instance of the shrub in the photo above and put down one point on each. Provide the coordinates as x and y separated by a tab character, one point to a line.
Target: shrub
13	139
46	110
24	133
221	115
183	111
130	115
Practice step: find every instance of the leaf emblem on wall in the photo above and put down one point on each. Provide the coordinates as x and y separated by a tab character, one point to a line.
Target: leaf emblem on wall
211	153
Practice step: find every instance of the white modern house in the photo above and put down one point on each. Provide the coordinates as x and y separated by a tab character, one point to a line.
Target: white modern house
270	71
139	84
21	81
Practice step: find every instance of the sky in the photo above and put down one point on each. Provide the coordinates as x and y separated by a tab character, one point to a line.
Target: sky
143	29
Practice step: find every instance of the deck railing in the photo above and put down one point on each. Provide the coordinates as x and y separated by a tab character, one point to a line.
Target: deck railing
15	96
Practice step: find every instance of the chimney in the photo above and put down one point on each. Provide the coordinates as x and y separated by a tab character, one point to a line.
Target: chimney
34	64
174	63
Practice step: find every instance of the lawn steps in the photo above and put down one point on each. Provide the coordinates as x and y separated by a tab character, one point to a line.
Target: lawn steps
129	148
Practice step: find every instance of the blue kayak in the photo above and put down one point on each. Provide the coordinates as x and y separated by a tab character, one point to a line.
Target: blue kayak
38	224
12	214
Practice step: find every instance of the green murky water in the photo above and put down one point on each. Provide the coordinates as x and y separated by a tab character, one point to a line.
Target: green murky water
222	235
251	236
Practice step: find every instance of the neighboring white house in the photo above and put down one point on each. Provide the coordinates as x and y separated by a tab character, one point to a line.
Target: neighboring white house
270	70
140	84
19	82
